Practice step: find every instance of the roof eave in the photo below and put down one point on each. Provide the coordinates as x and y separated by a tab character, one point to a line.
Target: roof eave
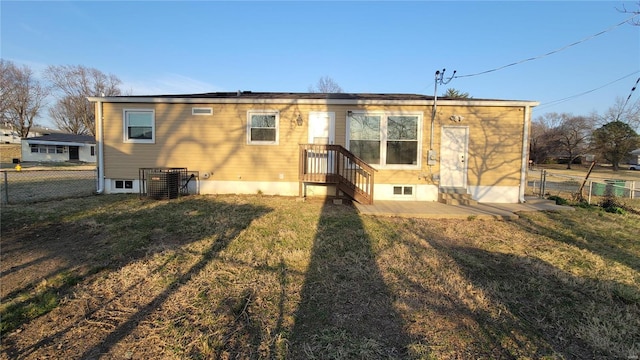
184	100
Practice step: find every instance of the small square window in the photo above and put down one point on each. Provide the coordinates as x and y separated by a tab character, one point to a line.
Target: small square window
397	190
408	190
128	184
119	184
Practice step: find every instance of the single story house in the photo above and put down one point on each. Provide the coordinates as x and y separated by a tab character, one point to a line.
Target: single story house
59	147
635	157
366	146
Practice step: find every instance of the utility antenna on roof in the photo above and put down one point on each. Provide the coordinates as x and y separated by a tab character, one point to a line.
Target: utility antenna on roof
440	77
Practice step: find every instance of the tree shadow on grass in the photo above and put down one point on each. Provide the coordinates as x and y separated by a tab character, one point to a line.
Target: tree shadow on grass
612	246
551	313
346	310
182	221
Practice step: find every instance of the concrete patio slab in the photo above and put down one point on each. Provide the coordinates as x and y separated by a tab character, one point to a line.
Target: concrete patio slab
436	210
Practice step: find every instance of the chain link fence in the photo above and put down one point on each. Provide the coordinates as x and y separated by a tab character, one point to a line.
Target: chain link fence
565	186
29	186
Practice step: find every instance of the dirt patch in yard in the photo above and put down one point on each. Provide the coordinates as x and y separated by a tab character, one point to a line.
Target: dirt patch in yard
33	256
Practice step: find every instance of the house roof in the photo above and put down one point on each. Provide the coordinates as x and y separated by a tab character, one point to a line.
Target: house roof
290	97
62	139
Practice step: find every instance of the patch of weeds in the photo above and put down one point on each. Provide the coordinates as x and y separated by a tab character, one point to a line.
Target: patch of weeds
584	205
472	217
559	200
36	301
611	205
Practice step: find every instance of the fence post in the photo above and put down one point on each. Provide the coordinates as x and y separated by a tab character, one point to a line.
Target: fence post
543	183
540	188
6	187
590	188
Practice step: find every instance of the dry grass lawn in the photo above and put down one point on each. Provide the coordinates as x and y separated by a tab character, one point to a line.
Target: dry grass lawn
251	277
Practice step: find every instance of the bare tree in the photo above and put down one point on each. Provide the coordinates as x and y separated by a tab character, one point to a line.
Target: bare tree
73	84
621	110
23	96
560	135
69	115
634	21
539	145
572	137
325	85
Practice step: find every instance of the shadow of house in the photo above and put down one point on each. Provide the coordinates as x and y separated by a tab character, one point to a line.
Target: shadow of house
129	238
346	310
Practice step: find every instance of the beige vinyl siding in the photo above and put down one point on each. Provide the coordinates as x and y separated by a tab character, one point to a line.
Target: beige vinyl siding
217	144
495	142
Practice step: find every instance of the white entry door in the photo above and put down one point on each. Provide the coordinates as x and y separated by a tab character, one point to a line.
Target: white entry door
322	127
453	156
322	132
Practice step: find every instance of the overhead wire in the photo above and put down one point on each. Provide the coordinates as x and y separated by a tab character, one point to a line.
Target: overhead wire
551	52
558	101
628	97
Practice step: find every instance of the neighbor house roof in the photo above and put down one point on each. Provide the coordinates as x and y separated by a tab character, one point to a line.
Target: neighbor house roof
62	139
289	97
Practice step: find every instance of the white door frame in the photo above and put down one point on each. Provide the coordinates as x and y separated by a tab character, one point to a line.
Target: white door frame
322	123
454	153
314	120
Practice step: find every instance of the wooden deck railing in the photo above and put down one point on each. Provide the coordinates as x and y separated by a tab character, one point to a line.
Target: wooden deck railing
333	164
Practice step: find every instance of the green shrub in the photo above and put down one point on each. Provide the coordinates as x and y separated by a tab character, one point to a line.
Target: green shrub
559	200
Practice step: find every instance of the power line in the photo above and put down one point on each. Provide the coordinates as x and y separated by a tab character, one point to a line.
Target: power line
628	97
556	102
551	52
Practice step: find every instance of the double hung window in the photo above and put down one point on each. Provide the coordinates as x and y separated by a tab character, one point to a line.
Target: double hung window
262	127
139	126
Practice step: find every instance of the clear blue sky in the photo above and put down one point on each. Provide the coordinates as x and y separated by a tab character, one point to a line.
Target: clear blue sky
166	47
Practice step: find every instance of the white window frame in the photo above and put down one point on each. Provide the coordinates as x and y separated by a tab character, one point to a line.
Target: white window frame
201	111
403	189
263	112
384	138
125	127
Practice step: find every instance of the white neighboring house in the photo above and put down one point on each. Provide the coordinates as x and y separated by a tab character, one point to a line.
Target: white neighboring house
59	148
634	162
9	135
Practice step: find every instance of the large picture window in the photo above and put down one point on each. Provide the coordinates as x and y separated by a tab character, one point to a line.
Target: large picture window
387	140
139	126
262	127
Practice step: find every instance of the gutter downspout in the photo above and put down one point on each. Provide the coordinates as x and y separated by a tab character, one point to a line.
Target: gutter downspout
525	153
100	140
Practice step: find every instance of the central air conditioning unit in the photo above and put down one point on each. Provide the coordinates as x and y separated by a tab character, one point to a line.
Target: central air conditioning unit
163	183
